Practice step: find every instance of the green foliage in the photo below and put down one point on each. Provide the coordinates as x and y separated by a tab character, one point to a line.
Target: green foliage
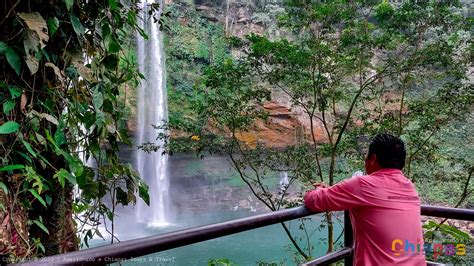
9	127
353	69
443	233
454	234
220	262
192	43
234	101
65	64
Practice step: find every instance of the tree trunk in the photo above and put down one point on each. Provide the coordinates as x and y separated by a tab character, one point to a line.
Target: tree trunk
330	232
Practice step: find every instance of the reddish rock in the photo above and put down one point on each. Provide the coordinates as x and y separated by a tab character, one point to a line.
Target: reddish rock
284	127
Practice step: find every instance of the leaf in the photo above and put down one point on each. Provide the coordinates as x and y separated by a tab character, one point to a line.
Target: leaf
15	92
32	64
76	166
69	4
35	22
97	99
49	117
48	200
3	47
143	193
62	175
113	4
87	237
114	47
121	196
84	71
97	232
105	30
110	62
31	42
99	118
9	127
77	26
11	167
59	137
53	25
110	214
24	156
4	188
46	55
8	106
57	72
40	246
40	139
41	226
31	175
29	148
13	60
51	140
454	232
37	196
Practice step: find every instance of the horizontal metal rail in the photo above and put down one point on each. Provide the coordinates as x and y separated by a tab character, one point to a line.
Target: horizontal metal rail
451	213
331	257
143	246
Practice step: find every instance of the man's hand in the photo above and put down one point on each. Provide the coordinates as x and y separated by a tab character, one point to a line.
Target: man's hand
316	185
320	185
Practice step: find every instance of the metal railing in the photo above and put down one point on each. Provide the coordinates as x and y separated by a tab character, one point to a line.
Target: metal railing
147	245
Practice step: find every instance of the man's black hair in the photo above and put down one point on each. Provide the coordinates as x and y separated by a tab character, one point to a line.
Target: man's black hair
390	151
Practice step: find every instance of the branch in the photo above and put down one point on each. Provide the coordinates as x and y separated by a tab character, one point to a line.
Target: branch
417	150
294	241
234	162
265	192
270	207
9	11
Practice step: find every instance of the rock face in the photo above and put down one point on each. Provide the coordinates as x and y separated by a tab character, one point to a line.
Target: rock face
209	13
284	127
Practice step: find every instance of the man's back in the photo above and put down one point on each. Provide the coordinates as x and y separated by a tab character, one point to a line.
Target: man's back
385	214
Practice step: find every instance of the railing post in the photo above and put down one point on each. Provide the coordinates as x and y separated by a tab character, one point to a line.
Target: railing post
348	238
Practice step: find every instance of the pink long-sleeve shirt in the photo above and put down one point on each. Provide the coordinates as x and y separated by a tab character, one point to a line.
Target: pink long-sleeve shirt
385	214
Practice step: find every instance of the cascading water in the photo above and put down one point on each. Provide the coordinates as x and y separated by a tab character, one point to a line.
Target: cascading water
152	110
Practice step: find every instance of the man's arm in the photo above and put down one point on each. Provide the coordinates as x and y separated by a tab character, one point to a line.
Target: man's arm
342	196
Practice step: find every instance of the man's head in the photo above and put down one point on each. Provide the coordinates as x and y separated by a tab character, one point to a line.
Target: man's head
385	151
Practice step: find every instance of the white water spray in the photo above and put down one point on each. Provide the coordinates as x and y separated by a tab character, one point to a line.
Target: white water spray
152	110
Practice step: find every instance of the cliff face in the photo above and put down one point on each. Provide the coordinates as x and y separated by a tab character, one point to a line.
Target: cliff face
284	127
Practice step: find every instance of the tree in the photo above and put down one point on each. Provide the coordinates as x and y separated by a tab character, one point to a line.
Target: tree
63	65
355	68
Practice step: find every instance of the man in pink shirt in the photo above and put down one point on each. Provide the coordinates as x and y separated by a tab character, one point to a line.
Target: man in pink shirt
383	205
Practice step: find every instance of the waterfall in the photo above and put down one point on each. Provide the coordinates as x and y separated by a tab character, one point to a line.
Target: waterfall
152	110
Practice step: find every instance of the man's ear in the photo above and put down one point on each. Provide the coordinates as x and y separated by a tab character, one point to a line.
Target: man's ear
371	162
373	159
